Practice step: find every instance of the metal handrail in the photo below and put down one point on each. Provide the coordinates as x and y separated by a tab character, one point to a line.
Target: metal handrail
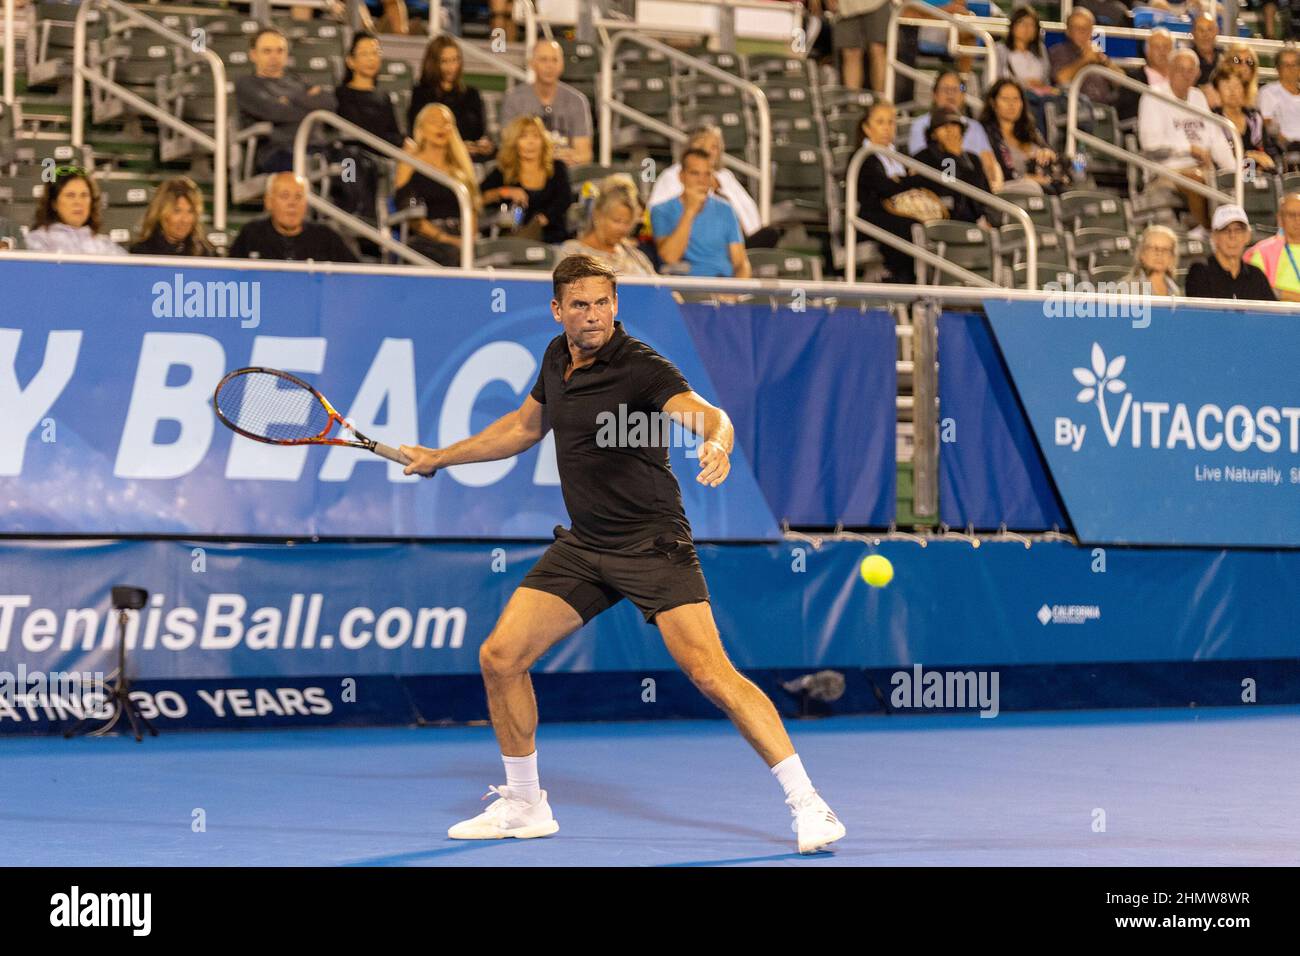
964	23
9	53
853	223
878	291
998	27
1073	134
608	106
80	72
327	118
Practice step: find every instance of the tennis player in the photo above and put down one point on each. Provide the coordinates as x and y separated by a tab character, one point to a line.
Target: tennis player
629	538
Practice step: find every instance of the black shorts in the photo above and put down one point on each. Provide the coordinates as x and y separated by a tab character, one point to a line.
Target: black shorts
656	575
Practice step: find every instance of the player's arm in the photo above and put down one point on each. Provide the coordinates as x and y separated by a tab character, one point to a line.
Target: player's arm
504	438
714	426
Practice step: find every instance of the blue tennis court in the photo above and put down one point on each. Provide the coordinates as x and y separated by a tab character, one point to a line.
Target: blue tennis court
1178	788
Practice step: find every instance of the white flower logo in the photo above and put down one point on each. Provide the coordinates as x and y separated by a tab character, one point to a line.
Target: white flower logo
1100	379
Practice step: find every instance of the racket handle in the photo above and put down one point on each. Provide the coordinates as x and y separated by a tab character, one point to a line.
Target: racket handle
391	453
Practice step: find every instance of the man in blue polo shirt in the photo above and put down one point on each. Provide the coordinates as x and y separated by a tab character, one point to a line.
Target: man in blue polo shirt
698	228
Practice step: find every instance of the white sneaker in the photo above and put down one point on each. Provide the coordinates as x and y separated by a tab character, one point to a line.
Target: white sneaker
815	823
507	816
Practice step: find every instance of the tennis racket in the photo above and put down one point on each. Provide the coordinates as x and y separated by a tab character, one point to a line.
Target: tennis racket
277	408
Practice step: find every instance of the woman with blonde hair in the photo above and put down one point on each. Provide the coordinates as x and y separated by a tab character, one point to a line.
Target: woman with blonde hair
1155	261
173	224
529	176
1240	59
438	143
615	212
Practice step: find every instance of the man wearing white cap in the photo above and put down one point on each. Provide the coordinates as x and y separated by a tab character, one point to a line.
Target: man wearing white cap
1225	275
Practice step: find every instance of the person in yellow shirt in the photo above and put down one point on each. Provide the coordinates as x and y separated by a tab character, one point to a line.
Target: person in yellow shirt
1278	257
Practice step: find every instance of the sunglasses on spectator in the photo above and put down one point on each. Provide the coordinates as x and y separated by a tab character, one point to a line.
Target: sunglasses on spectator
68	171
1246	60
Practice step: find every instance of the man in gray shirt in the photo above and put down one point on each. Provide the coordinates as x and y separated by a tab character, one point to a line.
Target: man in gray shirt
565	112
279	98
1075	52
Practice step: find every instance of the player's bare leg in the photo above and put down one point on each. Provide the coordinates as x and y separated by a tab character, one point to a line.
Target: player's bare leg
532	622
692	638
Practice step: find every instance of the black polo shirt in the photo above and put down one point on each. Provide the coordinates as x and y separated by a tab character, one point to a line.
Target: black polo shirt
1209	280
618	486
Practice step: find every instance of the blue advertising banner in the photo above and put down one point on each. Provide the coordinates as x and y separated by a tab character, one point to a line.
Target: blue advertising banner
811	394
1176	427
107	371
265	610
990	472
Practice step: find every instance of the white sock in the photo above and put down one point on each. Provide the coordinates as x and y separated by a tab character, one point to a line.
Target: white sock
521	777
792	777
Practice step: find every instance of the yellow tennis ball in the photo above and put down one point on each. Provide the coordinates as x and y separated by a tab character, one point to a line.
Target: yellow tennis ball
876	570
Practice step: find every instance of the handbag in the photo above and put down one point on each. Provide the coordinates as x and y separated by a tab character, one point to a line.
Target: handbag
919	204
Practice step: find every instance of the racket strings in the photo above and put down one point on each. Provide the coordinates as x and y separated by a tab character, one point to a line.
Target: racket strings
272	407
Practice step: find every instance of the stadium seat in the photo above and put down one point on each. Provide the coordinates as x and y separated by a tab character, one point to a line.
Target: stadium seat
961	243
783	264
1095	208
509	253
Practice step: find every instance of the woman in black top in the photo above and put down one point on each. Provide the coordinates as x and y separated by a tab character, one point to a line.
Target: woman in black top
528	174
442	81
1028	164
881	178
1256	142
361	103
437	235
358	100
173	224
944	153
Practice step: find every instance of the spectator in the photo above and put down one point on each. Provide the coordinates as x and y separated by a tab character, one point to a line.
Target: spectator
946	133
438	234
1075	52
442	81
1179	139
503	12
697	228
1256	142
950	94
1154	72
284	234
1155	261
1280	101
565	112
364	105
1023	58
1205	30
1111	13
882	179
860	29
529	174
1241	60
68	217
615	212
1268	256
1224	275
271	95
725	186
1027	164
173	224
359	101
